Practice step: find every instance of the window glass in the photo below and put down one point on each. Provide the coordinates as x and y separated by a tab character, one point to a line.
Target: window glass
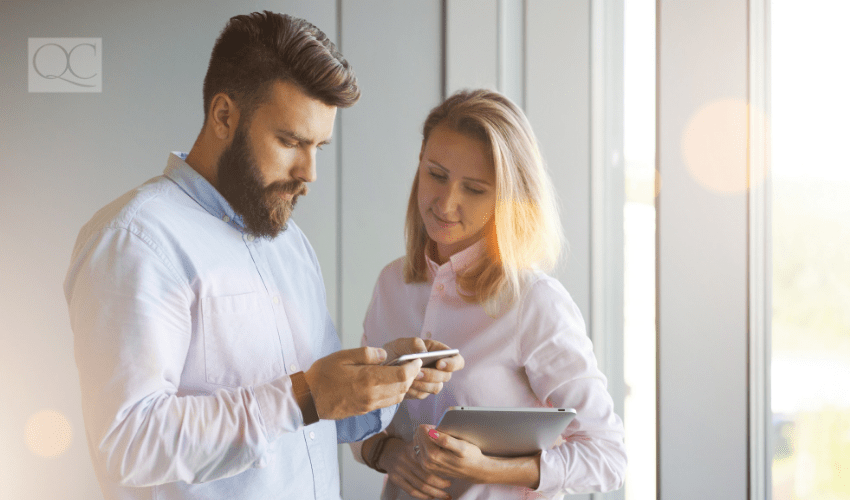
639	252
810	338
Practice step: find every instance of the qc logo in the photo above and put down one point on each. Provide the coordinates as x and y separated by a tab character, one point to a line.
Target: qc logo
65	65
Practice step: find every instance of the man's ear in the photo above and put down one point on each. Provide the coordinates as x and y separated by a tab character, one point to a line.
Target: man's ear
224	116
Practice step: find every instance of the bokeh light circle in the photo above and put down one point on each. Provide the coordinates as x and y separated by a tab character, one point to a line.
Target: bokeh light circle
714	145
48	433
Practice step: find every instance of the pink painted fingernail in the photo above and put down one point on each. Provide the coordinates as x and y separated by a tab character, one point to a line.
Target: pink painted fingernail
434	434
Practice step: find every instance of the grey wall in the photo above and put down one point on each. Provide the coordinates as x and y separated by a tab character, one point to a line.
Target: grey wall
63	156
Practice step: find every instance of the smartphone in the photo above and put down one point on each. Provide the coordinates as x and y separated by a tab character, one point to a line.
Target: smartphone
429	358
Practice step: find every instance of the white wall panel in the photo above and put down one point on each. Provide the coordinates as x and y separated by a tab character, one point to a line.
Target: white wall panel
395	48
702	250
472	44
558	106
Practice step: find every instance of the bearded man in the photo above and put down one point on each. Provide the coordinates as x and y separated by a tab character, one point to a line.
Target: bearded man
209	365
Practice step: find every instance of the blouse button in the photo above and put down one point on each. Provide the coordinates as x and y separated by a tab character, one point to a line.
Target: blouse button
440	287
427	335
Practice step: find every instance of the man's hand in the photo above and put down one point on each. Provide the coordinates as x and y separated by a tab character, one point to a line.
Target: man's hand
352	382
429	380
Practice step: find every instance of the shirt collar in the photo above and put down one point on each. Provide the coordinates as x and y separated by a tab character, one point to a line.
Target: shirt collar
198	188
459	261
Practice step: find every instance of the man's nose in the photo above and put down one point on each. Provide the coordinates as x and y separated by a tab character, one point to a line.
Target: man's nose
305	167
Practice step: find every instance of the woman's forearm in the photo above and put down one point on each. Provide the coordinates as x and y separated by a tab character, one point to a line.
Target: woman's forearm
518	471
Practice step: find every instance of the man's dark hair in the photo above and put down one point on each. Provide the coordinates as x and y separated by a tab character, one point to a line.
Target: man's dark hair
258	49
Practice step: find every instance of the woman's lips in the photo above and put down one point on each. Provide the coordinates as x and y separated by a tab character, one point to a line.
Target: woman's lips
444	223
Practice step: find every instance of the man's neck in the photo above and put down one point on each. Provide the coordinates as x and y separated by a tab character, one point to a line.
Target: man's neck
203	158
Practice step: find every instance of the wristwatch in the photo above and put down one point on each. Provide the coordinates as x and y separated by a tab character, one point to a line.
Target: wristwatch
304	398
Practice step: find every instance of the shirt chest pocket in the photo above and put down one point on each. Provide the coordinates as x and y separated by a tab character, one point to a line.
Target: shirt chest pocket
241	342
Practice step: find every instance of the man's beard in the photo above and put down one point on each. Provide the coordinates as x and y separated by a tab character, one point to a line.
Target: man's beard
240	182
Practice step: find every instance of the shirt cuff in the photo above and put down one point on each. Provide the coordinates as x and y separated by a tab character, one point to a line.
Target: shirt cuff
553	470
304	398
278	407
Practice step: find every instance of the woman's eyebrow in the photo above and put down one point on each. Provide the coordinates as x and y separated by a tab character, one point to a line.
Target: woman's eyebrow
473	179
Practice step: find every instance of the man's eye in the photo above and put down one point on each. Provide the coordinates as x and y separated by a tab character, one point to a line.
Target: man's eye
287	144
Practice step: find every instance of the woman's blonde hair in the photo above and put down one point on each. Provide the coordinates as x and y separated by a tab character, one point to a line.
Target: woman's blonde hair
525	232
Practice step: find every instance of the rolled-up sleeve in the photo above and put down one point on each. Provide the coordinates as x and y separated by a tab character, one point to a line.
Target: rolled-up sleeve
562	371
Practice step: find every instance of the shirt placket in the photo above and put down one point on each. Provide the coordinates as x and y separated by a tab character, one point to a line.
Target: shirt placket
290	358
442	280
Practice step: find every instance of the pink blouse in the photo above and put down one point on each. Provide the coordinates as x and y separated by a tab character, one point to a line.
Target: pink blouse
534	354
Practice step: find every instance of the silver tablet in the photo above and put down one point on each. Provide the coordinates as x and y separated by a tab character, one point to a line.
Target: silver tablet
506	432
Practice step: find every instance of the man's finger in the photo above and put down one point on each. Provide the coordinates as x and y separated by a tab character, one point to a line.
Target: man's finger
451	364
433	375
418	345
427	387
433	345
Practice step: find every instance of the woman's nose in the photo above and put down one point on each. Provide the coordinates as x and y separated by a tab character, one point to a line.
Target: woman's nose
450	199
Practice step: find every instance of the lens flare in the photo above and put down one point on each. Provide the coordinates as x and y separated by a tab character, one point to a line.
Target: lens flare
48	433
714	145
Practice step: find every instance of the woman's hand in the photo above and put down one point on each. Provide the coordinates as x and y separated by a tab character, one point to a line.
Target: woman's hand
448	457
399	460
430	380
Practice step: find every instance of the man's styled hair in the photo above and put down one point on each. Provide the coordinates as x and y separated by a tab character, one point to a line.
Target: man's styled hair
253	51
525	232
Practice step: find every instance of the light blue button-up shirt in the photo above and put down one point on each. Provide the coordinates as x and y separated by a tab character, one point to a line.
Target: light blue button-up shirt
186	330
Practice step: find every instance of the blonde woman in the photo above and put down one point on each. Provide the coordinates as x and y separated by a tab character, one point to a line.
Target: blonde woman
482	226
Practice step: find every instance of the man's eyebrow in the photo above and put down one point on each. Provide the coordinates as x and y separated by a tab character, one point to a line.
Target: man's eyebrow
480	181
300	138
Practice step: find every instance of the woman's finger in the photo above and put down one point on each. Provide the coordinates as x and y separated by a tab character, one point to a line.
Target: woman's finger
404	484
425	487
423	477
448	443
419	480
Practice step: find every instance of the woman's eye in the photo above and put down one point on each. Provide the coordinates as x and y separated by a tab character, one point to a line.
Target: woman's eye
474	191
437	176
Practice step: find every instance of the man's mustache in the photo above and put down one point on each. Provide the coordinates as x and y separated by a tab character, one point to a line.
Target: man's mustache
294	187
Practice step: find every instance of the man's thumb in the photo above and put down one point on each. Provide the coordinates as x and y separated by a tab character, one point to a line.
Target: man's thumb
371	356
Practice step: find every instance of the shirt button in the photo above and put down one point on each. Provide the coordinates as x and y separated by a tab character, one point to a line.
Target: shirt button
250	237
292	367
225	218
312	435
276	300
440	287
